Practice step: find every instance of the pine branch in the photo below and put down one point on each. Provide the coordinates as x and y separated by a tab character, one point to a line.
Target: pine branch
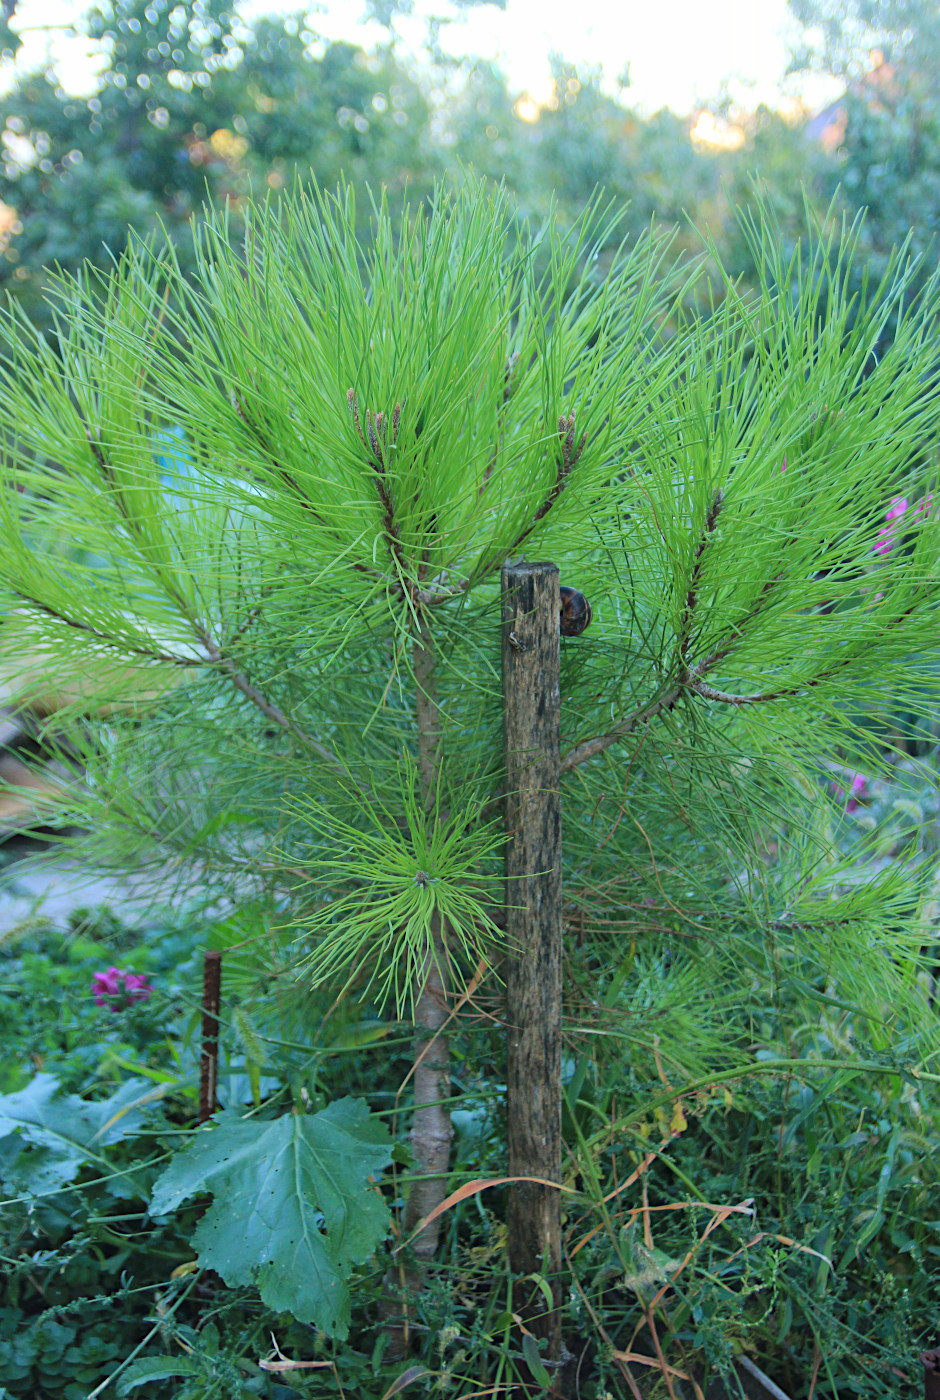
375	429
445	590
670	697
645	715
260	437
291	482
725	697
221	661
268	708
760	698
246	624
570	456
921	597
691	679
691	598
107	471
148	654
725	648
500	418
687	680
130	519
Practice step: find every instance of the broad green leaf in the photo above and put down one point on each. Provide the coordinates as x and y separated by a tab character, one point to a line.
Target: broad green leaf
154	1368
69	1130
355	1037
293	1209
536	1365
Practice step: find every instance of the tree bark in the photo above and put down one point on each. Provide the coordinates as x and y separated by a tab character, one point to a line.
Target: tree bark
431	1127
431	1130
531	716
211	1002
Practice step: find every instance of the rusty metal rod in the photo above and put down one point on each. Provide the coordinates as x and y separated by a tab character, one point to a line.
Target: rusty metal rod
931	1360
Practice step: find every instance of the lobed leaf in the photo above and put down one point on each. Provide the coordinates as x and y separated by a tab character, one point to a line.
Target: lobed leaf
294	1209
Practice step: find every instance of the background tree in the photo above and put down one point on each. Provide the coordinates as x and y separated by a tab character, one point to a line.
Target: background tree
842	34
886	128
192	104
585	140
194	101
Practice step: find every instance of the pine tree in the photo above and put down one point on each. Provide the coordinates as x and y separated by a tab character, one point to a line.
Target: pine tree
288	483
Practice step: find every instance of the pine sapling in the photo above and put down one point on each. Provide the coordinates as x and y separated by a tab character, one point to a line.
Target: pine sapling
262	512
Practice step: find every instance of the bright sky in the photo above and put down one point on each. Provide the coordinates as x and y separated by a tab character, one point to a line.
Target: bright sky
680	53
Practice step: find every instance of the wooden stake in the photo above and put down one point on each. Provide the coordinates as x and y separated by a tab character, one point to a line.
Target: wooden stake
211	1000
531	722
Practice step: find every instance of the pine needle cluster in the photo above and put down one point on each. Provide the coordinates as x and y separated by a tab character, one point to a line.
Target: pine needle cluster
287	484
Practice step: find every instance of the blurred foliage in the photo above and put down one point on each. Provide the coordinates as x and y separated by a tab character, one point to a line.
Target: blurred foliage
191	105
195	102
840	36
885	130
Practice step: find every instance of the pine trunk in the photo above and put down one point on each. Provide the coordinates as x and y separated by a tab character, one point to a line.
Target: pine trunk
431	1130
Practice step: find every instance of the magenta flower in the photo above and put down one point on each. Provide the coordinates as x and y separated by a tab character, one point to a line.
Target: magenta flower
136	986
113	984
106	984
858	791
784	467
887	535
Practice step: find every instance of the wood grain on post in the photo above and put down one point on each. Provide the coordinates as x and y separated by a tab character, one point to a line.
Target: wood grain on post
211	1001
531	719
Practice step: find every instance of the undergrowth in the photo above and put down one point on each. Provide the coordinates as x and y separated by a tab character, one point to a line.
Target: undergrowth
786	1215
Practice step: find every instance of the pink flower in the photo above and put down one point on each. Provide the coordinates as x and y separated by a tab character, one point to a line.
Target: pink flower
784	467
887	535
858	791
129	986
136	986
106	984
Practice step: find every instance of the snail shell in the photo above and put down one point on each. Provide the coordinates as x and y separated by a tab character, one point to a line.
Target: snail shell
576	612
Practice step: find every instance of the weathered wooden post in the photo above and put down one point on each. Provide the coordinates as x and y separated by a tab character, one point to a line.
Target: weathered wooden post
531	711
211	1002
